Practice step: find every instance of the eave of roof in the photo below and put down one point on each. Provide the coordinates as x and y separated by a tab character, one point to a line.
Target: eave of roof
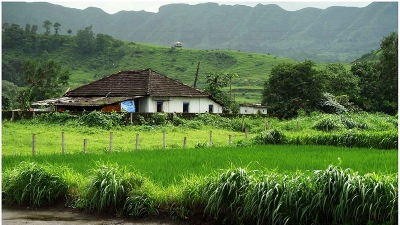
82	101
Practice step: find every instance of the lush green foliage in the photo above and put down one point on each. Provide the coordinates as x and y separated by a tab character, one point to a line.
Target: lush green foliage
292	87
239	195
33	185
370	86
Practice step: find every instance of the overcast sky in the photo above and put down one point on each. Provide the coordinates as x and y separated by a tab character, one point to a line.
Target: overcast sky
115	6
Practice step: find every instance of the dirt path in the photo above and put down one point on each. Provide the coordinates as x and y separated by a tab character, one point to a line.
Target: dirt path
65	216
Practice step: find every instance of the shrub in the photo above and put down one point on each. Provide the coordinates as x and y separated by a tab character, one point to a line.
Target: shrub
109	188
54	117
226	195
33	185
327	124
271	136
103	120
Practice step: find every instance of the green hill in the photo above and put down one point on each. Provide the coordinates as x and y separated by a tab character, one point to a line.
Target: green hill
335	34
179	63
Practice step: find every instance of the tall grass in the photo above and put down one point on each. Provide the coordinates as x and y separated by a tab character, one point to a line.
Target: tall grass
33	185
233	196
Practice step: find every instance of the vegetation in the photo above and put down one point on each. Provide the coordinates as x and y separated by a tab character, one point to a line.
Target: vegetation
294	87
276	176
235	195
316	34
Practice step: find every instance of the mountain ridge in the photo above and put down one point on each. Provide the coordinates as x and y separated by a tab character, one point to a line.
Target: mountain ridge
335	34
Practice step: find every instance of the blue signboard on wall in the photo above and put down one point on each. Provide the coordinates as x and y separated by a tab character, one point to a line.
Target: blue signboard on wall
128	106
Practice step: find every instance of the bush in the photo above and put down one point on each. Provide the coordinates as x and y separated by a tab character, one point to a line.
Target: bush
55	117
327	124
103	120
271	136
109	188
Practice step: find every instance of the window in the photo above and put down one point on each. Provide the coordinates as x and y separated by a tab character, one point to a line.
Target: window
159	106
210	108
185	107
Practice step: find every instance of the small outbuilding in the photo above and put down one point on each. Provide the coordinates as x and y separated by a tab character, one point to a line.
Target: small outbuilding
135	91
178	44
253	109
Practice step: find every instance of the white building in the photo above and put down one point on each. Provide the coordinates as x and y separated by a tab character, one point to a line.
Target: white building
253	109
136	91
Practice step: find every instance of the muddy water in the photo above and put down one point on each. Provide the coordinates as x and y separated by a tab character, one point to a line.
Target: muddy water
65	216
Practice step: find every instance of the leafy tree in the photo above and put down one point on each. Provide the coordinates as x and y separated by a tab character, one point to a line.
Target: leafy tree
103	42
5	102
379	80
56	26
44	79
215	83
389	72
370	93
85	41
69	31
13	36
47	25
9	92
12	70
292	87
339	81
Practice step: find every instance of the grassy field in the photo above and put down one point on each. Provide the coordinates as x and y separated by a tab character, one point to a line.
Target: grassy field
242	183
167	166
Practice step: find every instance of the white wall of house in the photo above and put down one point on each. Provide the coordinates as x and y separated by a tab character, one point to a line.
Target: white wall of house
176	104
252	110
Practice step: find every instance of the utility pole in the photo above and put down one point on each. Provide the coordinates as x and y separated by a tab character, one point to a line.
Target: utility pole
197	75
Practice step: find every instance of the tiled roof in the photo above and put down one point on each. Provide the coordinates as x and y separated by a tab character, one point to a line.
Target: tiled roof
136	83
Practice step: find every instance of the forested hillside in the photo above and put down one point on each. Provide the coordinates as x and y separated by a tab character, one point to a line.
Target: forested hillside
335	34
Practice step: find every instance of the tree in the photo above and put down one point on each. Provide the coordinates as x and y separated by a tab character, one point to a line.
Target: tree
215	83
44	79
292	87
230	77
339	81
47	25
56	26
13	36
9	93
69	31
389	72
85	41
370	93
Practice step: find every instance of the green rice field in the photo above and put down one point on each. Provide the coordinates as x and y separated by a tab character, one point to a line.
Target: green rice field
309	170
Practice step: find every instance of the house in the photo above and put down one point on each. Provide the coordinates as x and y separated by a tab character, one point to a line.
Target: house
178	44
135	91
253	109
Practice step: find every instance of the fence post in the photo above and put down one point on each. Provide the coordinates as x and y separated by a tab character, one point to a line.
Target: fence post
230	139
211	143
265	124
297	125
242	123
131	118
33	144
33	114
12	115
111	140
84	145
137	142
62	143
164	140
184	143
246	133
269	124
